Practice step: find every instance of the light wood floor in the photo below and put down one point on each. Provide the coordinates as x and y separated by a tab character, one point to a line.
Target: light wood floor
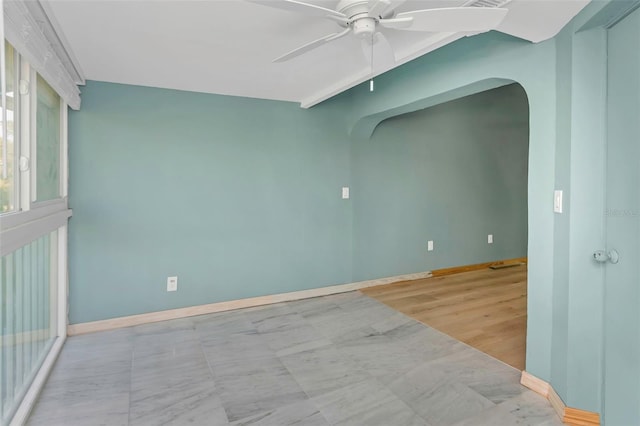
486	309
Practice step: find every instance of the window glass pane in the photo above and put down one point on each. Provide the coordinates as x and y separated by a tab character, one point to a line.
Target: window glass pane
47	143
8	152
28	289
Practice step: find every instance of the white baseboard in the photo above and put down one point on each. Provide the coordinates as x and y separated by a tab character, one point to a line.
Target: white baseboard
110	324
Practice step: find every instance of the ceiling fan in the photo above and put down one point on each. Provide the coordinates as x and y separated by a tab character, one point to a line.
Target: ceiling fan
367	19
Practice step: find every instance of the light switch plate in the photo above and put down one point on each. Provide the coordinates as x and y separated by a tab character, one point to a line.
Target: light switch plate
557	201
429	245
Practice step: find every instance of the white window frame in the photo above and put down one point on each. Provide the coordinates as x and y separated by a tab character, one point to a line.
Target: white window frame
33	162
16	127
33	32
31	220
28	209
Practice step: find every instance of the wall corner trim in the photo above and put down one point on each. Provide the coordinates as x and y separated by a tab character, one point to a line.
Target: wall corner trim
539	386
568	415
129	321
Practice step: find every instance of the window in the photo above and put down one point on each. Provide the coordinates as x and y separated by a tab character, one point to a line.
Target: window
8	142
32	151
47	142
27	317
33	232
33	201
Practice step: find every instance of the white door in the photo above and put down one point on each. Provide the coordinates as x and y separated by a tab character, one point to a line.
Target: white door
622	282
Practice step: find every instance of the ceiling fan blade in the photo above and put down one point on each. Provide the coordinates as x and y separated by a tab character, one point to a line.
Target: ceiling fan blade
396	23
341	20
455	19
299	7
390	12
311	45
383	55
378	7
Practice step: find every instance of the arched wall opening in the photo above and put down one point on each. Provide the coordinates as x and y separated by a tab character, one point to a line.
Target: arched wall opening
453	174
564	81
471	66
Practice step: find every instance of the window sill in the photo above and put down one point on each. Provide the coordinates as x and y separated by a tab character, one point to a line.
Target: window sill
19	229
38	211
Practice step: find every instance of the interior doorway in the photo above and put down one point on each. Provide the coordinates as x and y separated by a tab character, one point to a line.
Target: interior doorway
445	189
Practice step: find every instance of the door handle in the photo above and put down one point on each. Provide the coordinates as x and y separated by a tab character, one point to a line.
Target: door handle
603	256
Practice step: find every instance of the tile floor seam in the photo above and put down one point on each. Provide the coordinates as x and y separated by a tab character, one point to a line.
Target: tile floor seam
309	397
293	376
133	359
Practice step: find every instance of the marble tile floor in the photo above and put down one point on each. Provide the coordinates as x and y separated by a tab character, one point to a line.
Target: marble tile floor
344	359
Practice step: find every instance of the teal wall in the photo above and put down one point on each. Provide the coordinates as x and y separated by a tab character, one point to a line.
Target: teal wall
585	226
452	173
274	151
237	197
560	317
622	292
241	197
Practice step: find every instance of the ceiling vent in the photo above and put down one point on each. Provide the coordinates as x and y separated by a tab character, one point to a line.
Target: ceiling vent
487	3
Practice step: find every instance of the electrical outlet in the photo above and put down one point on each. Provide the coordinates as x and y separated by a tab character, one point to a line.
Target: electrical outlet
172	283
429	245
490	239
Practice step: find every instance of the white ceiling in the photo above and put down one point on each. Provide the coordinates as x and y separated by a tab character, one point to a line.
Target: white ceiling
227	46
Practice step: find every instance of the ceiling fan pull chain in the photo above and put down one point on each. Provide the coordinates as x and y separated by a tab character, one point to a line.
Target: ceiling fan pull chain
371	80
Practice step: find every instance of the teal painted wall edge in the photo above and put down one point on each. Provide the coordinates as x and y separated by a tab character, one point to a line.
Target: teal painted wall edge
622	289
560	327
585	339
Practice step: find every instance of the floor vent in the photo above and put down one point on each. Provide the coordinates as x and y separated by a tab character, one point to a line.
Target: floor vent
505	265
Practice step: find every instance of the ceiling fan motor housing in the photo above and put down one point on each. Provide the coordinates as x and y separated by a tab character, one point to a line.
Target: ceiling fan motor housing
364	27
357	11
351	8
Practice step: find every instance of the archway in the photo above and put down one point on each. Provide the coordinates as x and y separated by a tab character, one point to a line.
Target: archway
454	174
